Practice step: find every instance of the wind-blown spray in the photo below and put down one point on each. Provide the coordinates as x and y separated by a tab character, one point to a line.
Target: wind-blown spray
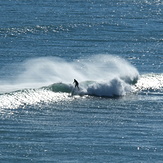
109	75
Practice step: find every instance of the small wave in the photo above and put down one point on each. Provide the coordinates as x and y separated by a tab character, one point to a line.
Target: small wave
16	31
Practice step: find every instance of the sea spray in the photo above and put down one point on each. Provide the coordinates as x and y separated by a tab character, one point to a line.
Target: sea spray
112	73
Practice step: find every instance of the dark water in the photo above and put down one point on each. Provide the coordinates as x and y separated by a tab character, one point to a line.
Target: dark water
107	45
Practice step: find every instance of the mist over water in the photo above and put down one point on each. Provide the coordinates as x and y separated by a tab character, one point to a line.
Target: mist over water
38	72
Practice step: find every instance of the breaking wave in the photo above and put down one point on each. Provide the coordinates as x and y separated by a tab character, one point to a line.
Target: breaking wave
49	79
147	84
115	87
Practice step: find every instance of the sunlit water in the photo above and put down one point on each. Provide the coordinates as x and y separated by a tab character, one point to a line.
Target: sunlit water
113	48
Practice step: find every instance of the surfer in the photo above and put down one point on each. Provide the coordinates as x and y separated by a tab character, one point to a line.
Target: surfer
76	83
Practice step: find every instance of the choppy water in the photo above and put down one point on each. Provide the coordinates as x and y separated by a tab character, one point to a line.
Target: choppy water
113	48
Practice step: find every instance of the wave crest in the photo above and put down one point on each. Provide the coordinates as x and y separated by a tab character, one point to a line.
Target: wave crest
100	75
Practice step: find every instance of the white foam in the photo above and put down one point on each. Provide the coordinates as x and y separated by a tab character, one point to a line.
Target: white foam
115	87
150	81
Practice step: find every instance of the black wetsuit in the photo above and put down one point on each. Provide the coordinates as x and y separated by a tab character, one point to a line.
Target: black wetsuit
76	83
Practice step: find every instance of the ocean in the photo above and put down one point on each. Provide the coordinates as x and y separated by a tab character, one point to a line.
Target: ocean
113	48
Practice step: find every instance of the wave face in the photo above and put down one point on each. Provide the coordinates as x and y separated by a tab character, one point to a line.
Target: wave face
115	87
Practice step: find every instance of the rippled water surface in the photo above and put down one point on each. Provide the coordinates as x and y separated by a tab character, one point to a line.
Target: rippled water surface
113	48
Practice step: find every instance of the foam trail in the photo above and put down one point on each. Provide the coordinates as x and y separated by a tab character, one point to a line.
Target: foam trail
112	72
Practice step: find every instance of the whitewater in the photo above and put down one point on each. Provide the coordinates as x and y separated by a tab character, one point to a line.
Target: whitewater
44	79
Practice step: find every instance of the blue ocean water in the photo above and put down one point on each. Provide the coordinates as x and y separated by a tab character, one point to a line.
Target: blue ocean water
114	48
